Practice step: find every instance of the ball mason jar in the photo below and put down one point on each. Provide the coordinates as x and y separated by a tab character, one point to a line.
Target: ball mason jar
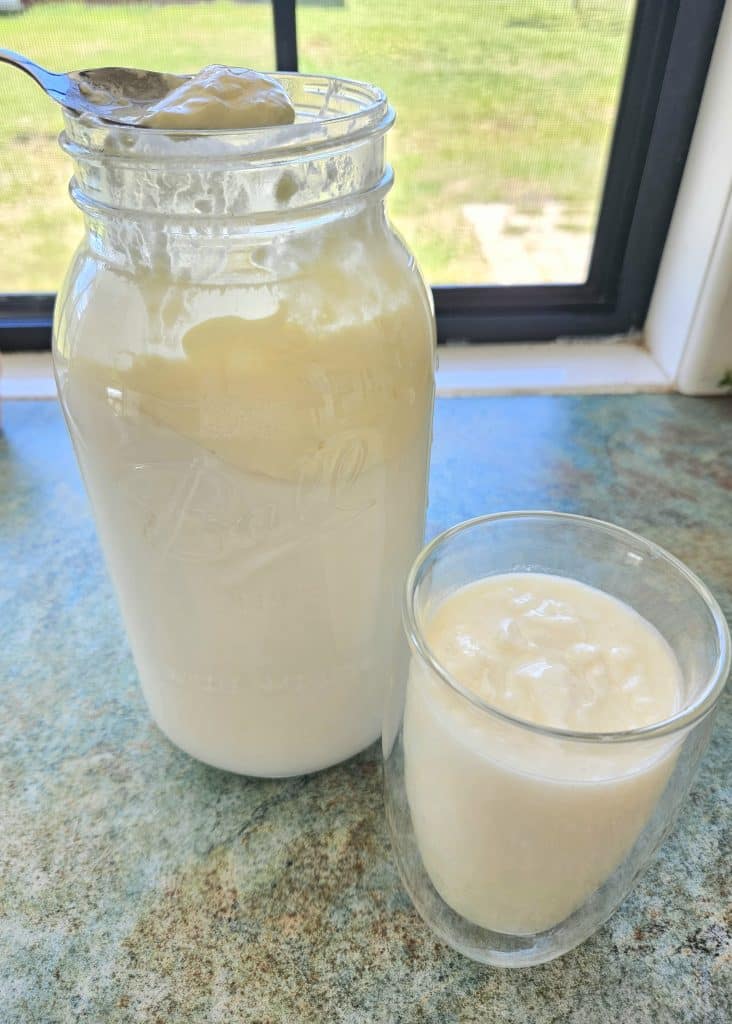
244	353
516	841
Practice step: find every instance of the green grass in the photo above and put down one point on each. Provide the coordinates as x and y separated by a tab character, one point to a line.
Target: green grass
497	100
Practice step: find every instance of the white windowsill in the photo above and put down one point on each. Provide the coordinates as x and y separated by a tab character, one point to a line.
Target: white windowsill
562	368
579	367
26	375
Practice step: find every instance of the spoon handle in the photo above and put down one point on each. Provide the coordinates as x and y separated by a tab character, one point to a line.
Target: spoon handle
53	83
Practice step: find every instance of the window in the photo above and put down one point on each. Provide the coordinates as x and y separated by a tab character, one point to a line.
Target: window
538	150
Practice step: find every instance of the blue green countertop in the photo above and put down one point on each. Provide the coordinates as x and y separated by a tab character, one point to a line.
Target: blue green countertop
137	885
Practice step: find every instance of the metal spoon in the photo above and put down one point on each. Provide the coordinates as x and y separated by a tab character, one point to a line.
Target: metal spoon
119	95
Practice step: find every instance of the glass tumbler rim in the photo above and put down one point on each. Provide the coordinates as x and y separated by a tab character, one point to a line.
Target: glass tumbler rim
682	719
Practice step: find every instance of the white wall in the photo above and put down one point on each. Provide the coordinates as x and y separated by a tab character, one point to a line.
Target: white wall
689	326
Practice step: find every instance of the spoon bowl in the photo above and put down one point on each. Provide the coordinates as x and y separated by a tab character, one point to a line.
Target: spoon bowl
116	95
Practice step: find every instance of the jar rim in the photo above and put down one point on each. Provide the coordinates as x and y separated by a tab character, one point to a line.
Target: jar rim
331	110
687	716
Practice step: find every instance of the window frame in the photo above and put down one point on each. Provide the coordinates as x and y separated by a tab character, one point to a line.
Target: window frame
668	58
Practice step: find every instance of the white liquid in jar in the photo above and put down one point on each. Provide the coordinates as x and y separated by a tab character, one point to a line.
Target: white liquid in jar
257	460
516	830
245	357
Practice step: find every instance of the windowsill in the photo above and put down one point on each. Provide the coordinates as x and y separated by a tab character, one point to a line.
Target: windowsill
26	375
582	367
585	367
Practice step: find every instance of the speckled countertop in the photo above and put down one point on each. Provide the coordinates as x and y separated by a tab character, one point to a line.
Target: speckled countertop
137	885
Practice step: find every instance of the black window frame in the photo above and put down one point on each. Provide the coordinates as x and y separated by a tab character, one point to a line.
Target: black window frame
668	58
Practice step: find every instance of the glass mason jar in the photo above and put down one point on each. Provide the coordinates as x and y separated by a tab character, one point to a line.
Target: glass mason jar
244	353
516	841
